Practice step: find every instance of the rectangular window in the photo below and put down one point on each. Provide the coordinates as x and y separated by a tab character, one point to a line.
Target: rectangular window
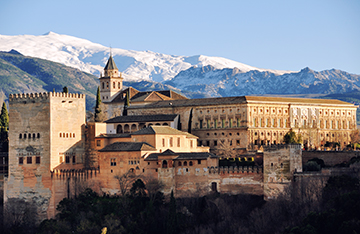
231	123
238	122
254	122
61	160
216	123
21	160
29	160
267	122
112	162
67	159
208	123
171	142
272	122
285	123
37	160
98	143
237	142
163	142
223	123
73	159
178	142
199	161
279	123
215	143
191	144
201	123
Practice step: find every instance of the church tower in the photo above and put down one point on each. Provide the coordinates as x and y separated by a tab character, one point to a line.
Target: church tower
111	81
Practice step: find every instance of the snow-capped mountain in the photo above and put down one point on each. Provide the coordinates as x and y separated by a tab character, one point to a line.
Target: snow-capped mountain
233	82
135	65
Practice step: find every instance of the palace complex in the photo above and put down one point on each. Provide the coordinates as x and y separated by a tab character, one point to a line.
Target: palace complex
162	136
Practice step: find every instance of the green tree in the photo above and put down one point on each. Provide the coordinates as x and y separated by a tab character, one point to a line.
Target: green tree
291	138
97	106
65	89
4	118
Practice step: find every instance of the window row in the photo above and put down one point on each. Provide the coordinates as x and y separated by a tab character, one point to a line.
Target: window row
185	163
171	142
29	160
29	135
222	134
220	111
221	142
66	135
68	158
222	123
114	85
262	122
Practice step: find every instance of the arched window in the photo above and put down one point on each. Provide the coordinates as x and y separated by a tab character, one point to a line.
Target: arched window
179	164
74	135
119	129
20	136
38	135
29	135
24	135
60	134
190	163
103	85
107	85
164	164
185	164
126	128
34	135
133	128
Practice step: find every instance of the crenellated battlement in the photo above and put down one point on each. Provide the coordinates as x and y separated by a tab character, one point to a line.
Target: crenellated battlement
68	95
236	170
28	96
44	95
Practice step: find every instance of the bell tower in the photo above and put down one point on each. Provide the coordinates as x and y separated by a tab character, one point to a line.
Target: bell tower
111	81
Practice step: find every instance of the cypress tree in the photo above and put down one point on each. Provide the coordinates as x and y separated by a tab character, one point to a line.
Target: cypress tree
126	104
65	89
97	106
4	118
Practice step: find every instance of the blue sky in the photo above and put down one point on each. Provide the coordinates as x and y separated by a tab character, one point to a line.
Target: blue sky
283	35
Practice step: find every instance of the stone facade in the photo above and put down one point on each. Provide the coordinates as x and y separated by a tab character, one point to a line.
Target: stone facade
53	153
45	131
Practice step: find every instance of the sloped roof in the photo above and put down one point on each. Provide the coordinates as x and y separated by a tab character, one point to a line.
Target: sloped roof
141	118
150	96
164	130
110	65
182	155
127	146
118	135
242	99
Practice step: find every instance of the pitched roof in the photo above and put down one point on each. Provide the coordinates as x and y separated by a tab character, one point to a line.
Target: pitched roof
239	100
147	96
118	135
163	130
141	118
182	155
110	65
127	146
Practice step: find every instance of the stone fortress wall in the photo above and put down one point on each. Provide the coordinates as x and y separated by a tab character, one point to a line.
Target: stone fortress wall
43	126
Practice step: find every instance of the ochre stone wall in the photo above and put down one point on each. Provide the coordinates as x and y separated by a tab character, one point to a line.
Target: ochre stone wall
36	121
331	158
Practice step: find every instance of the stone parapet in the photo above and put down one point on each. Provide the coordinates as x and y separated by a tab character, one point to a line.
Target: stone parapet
44	95
235	170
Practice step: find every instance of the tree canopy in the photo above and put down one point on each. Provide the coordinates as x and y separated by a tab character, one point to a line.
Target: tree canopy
4	118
